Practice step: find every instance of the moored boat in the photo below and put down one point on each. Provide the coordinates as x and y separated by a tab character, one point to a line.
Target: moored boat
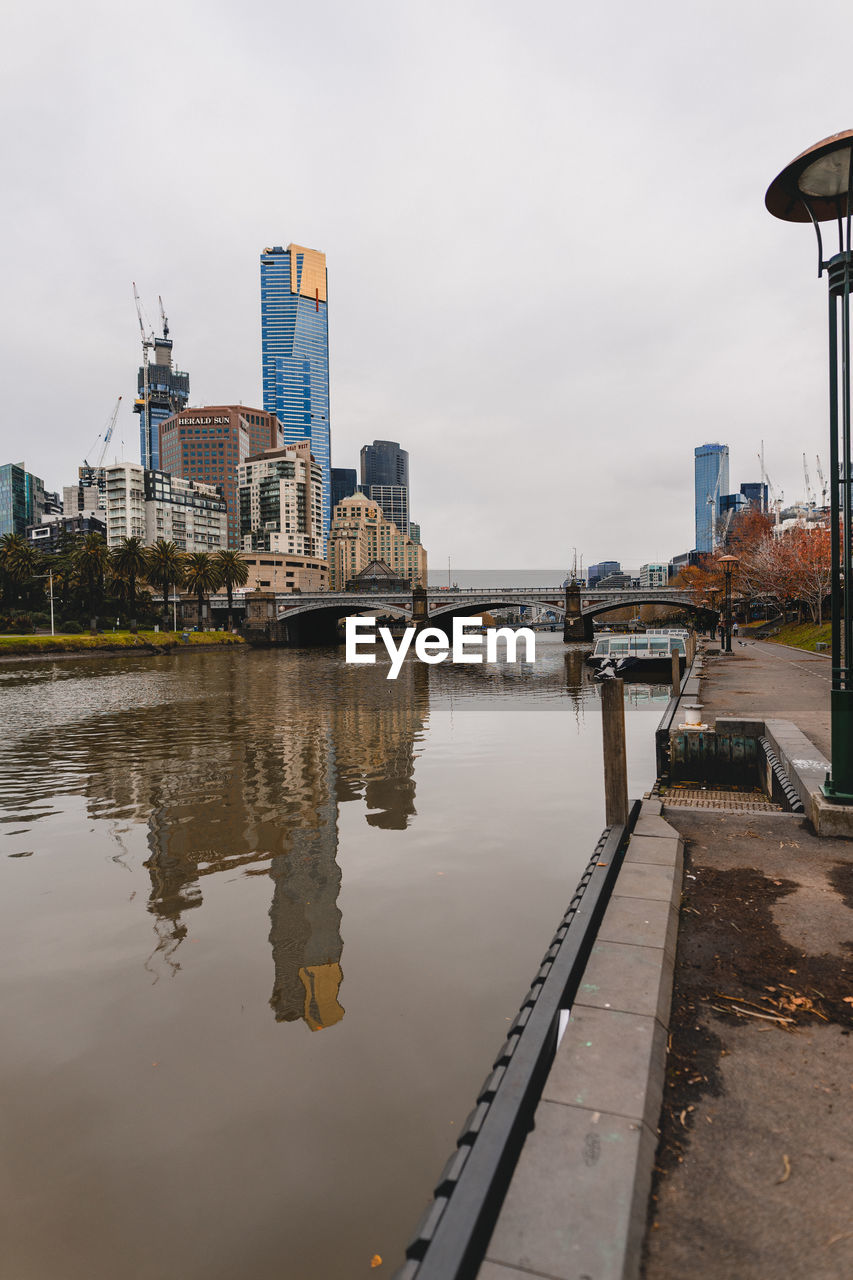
638	652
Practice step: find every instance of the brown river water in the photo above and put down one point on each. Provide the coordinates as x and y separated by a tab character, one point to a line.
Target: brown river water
264	920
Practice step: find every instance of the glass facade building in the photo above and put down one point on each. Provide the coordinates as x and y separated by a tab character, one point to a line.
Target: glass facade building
344	484
22	500
295	352
711	479
168	393
385	478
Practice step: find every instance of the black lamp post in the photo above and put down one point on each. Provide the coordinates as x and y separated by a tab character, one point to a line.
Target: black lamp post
713	592
729	563
818	187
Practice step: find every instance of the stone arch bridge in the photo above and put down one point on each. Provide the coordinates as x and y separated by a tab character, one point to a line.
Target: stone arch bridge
312	617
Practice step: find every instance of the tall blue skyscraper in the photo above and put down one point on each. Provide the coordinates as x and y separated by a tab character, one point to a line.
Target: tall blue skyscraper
295	351
711	481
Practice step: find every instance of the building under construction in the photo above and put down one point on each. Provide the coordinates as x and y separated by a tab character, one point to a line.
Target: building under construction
162	390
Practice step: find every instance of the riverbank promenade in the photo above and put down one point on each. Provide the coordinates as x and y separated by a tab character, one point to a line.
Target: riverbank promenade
754	1175
698	1118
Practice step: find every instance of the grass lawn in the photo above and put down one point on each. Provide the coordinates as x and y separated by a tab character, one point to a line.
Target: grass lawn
803	635
113	640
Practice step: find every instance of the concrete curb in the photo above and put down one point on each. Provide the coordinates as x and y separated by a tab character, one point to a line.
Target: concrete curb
578	1199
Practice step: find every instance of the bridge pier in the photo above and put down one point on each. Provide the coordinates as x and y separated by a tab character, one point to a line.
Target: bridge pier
577	626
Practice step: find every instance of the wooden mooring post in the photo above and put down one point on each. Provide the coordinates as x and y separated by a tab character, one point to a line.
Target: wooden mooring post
615	757
676	673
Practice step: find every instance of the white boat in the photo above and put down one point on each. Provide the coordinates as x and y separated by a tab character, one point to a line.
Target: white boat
648	652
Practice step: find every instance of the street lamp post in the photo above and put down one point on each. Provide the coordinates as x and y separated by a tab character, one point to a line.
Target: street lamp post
713	592
818	187
729	563
49	576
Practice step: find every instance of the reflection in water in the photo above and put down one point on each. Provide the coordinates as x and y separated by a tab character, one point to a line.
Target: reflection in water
277	797
216	799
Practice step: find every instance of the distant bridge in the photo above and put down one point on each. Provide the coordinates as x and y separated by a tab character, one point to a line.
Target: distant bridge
312	617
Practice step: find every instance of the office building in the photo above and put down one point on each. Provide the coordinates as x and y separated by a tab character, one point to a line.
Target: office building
152	504
360	534
208	444
415	532
394	501
56	528
344	484
385	479
711	479
756	495
295	352
654	575
603	569
281	502
167	391
22	499
273	571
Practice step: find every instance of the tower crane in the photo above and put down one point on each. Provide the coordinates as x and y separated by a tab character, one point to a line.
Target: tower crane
107	437
147	344
776	497
163	317
810	502
820	477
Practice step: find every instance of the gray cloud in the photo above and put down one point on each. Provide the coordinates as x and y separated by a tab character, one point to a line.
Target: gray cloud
551	271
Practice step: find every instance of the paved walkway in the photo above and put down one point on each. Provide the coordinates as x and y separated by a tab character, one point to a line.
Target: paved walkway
754	1172
770	681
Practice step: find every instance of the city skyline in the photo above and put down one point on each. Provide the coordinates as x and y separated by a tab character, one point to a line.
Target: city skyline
718	331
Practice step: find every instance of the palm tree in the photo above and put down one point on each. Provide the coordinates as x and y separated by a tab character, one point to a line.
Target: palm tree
17	564
130	562
92	561
233	572
165	569
201	575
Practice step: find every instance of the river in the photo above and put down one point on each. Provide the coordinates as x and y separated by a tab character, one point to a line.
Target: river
265	918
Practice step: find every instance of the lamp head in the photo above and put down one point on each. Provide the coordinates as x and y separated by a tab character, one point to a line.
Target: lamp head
815	187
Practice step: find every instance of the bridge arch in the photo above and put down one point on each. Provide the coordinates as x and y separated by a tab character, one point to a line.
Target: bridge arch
595	607
487	604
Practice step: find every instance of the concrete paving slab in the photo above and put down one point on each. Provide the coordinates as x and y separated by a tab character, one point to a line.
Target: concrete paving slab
631	979
573	1208
657	850
654	825
497	1271
610	1061
645	880
643	922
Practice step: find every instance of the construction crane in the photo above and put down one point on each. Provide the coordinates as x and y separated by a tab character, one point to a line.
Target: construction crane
777	497
163	317
820	477
147	345
107	434
810	502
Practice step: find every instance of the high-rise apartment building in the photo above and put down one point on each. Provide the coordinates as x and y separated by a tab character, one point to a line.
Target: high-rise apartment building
360	534
711	479
295	351
208	445
22	499
151	504
167	390
281	502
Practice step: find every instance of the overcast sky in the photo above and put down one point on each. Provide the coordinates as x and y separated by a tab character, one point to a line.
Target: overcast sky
551	273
